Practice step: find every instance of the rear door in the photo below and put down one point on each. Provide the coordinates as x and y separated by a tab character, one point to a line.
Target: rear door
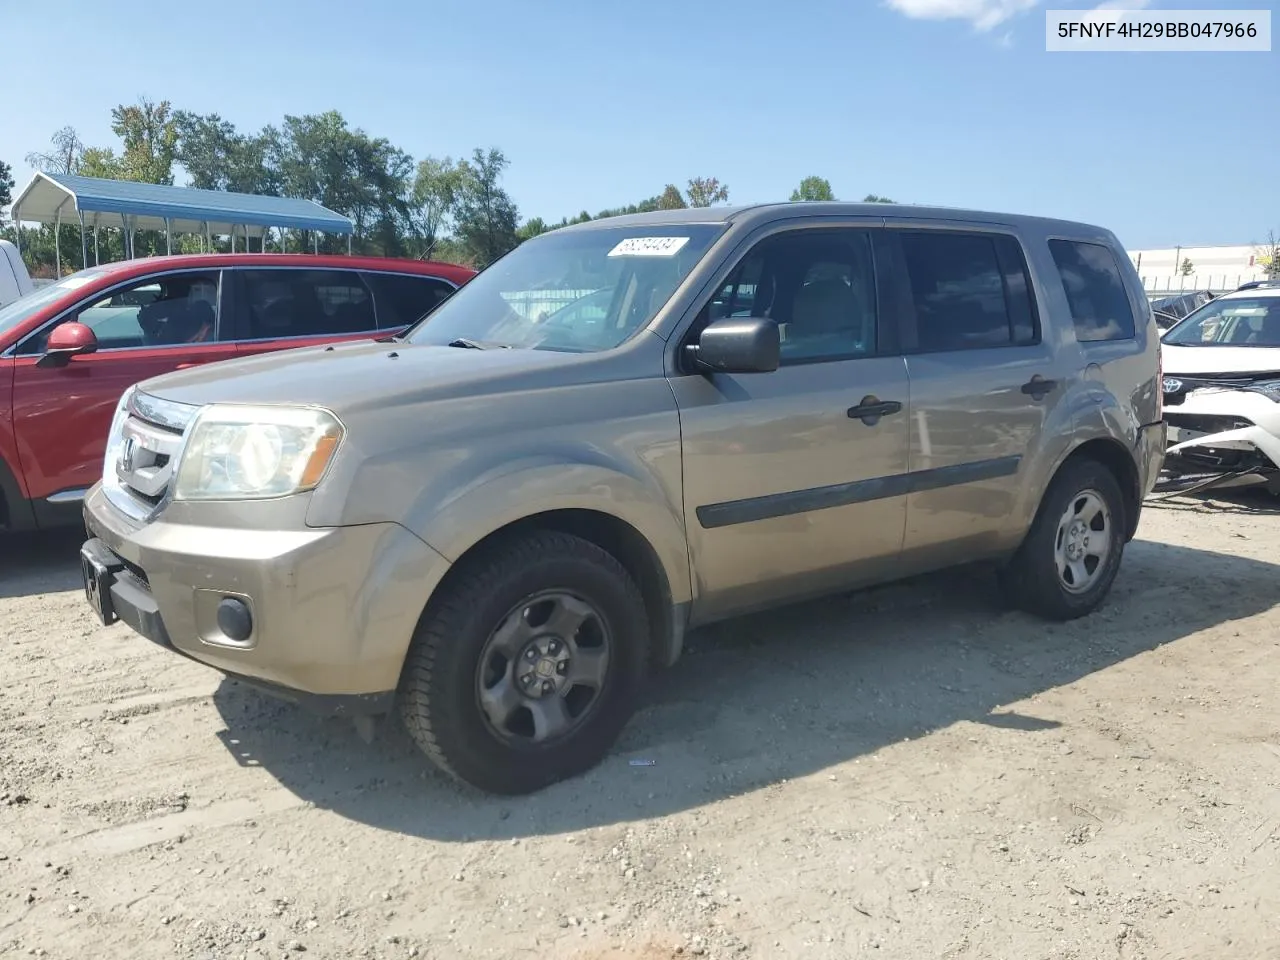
986	389
145	327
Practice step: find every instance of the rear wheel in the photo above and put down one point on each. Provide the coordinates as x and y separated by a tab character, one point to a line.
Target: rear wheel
528	669
1069	560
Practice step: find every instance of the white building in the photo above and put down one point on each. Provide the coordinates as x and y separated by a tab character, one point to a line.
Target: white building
1211	268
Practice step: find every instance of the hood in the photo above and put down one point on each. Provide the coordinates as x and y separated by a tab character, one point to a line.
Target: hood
1223	361
349	377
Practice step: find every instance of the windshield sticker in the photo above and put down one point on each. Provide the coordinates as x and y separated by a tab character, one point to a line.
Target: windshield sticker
649	247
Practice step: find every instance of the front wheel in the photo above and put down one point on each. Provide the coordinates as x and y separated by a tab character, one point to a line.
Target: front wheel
527	670
1069	560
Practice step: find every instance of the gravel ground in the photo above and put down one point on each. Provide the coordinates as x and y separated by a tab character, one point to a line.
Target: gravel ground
905	773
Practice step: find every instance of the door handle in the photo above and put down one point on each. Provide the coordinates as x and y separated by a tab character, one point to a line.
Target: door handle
870	410
1037	388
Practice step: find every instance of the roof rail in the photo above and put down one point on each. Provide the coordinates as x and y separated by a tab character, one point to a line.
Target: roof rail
1256	284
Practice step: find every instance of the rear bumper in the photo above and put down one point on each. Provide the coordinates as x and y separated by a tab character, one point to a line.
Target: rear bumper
333	610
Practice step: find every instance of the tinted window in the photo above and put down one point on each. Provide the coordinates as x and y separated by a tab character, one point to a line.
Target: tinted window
163	311
305	303
819	286
970	291
401	300
1095	292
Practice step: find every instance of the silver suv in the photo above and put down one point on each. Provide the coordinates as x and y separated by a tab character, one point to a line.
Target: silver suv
498	523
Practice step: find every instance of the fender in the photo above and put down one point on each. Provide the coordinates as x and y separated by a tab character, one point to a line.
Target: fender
523	489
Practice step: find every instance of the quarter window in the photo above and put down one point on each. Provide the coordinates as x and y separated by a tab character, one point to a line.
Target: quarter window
401	300
1095	291
970	291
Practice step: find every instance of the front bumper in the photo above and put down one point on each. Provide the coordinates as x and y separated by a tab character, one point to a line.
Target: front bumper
333	609
1231	434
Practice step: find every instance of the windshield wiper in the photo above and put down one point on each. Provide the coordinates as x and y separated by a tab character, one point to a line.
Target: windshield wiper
466	343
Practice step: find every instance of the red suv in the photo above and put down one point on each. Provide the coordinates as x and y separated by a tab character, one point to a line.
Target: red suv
69	350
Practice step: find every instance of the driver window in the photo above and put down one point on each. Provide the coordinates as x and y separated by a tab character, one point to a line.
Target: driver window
156	312
818	285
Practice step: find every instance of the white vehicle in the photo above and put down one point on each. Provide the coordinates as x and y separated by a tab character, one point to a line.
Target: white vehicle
1222	393
14	280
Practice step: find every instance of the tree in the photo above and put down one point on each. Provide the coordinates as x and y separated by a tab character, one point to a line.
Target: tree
874	198
532	228
99	162
1267	256
6	186
705	191
486	217
1187	268
436	187
217	157
813	188
150	138
64	157
670	198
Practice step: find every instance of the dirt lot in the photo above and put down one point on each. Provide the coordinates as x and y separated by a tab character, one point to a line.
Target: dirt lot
906	773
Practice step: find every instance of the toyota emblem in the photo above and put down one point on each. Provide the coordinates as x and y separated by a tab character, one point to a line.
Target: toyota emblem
1172	385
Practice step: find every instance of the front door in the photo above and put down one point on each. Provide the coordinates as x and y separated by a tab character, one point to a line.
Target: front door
61	415
793	479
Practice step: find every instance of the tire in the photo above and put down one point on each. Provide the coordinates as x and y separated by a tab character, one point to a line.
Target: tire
462	671
1034	581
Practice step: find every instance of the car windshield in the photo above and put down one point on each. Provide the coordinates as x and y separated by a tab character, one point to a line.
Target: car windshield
1230	322
577	291
25	307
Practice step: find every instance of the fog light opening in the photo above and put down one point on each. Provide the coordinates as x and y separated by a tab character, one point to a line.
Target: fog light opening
234	619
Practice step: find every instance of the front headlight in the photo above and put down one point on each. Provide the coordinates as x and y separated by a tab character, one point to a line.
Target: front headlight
246	452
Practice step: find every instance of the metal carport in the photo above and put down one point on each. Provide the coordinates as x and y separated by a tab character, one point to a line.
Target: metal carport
56	198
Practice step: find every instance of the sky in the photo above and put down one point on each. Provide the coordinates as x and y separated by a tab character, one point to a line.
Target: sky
596	104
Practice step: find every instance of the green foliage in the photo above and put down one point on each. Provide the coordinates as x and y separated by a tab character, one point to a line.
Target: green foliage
6	186
873	198
670	198
1187	268
150	138
813	189
436	188
486	218
706	191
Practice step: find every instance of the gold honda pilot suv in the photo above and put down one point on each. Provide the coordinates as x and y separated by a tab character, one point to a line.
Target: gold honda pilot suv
498	523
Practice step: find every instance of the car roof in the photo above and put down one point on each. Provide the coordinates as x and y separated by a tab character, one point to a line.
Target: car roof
196	261
753	214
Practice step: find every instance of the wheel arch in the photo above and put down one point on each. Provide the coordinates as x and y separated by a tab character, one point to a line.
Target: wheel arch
617	512
15	509
1113	455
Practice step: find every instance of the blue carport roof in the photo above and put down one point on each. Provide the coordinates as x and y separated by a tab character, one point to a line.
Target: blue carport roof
149	205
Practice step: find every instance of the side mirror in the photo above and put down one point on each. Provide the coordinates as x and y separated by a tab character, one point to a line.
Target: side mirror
738	345
66	341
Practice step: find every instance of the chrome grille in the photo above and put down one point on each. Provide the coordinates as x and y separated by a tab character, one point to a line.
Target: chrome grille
144	453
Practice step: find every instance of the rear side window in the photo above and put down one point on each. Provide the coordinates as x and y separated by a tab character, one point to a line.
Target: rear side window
401	300
1095	291
970	291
